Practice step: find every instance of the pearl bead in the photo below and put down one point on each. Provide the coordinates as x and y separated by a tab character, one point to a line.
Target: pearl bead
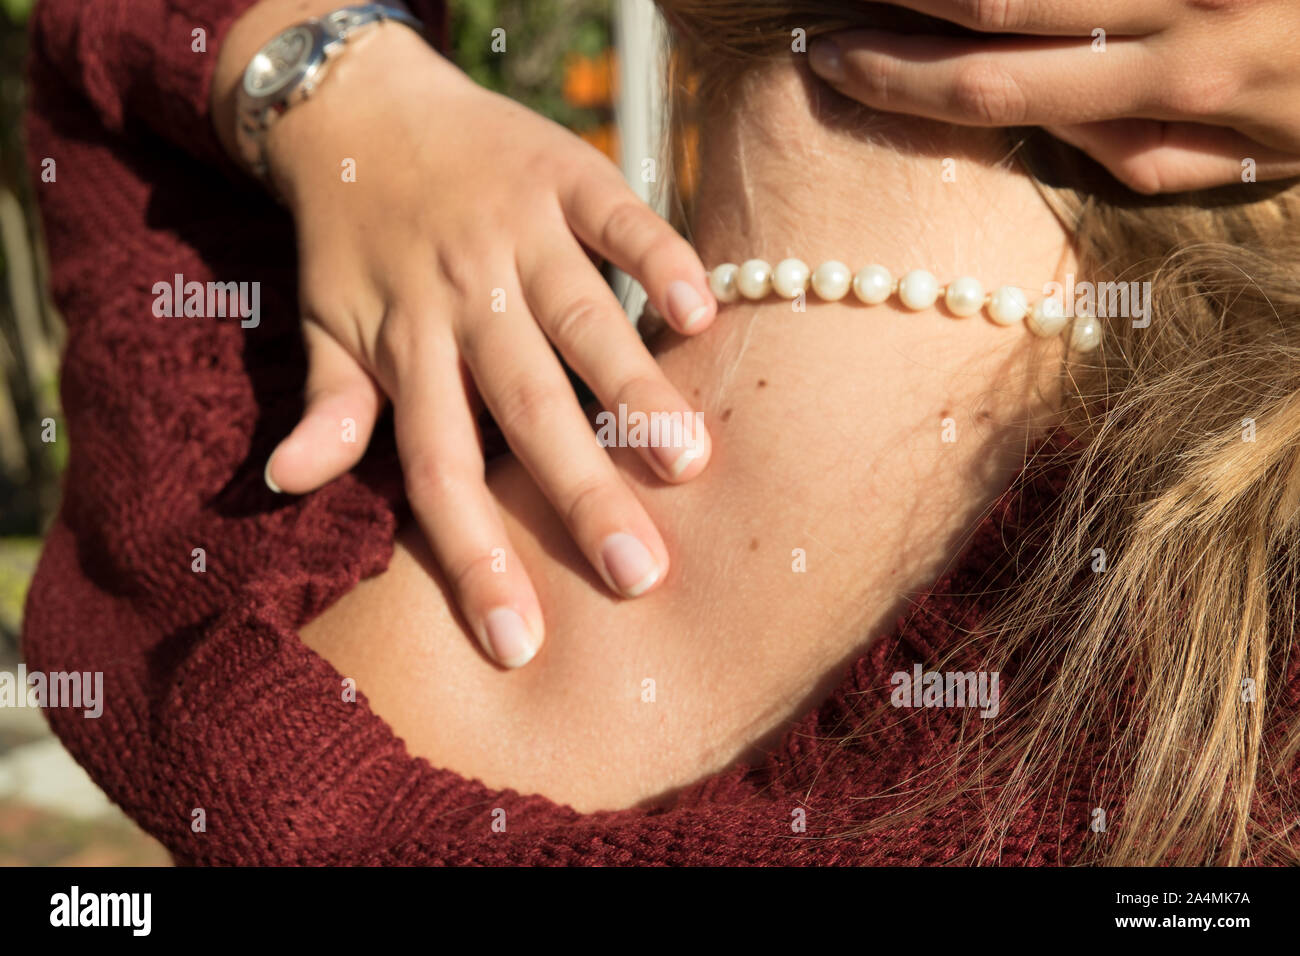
1008	305
831	281
1086	333
754	280
722	282
965	296
1047	318
918	289
873	284
789	278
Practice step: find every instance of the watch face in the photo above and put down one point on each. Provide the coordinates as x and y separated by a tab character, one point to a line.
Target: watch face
278	63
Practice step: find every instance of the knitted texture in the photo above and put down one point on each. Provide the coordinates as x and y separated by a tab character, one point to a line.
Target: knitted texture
212	703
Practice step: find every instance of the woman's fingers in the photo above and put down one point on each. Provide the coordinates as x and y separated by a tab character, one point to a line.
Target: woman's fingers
342	403
438	444
609	218
1138	108
1152	157
1048	17
539	415
582	317
990	82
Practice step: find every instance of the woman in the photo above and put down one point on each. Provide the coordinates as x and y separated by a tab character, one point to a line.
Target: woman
854	449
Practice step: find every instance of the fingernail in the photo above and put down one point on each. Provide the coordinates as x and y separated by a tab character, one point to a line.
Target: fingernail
676	456
508	637
826	60
685	304
629	565
266	476
684	460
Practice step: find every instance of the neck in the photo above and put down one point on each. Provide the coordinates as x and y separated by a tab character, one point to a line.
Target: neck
789	168
892	429
832	495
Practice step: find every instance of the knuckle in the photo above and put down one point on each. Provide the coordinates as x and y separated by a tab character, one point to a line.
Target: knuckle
1200	92
395	343
660	245
625	226
547	165
987	92
874	78
529	406
432	484
634	389
474	339
995	15
584	502
576	319
461	269
465	577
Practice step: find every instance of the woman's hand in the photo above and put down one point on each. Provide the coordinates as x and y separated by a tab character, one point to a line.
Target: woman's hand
1175	95
447	270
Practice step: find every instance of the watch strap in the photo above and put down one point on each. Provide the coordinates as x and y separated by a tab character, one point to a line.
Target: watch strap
345	21
338	27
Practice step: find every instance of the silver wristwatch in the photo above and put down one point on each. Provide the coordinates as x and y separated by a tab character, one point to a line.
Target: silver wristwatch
291	66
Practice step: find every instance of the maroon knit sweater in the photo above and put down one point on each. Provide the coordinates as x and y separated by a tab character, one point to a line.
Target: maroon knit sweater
212	702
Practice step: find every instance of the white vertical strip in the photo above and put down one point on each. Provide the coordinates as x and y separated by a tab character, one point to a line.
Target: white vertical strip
638	111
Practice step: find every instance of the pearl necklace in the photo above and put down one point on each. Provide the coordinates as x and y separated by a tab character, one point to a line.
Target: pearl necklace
917	290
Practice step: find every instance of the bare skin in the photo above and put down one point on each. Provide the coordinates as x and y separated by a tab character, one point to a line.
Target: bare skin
1189	94
444	276
827	438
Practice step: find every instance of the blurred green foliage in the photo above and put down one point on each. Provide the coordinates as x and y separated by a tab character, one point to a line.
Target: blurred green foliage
539	36
28	470
17	10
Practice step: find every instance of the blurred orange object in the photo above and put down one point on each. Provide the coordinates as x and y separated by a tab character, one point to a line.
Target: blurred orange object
605	138
590	81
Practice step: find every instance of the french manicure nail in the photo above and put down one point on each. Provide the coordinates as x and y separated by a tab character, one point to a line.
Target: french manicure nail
826	60
508	637
676	457
684	460
685	304
629	564
266	476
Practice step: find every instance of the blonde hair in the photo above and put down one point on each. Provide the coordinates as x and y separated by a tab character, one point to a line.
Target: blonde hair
1184	469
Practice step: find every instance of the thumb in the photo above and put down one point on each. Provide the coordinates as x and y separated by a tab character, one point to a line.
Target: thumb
342	404
1152	157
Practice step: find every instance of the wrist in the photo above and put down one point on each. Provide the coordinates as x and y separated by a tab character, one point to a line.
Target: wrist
273	60
385	80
